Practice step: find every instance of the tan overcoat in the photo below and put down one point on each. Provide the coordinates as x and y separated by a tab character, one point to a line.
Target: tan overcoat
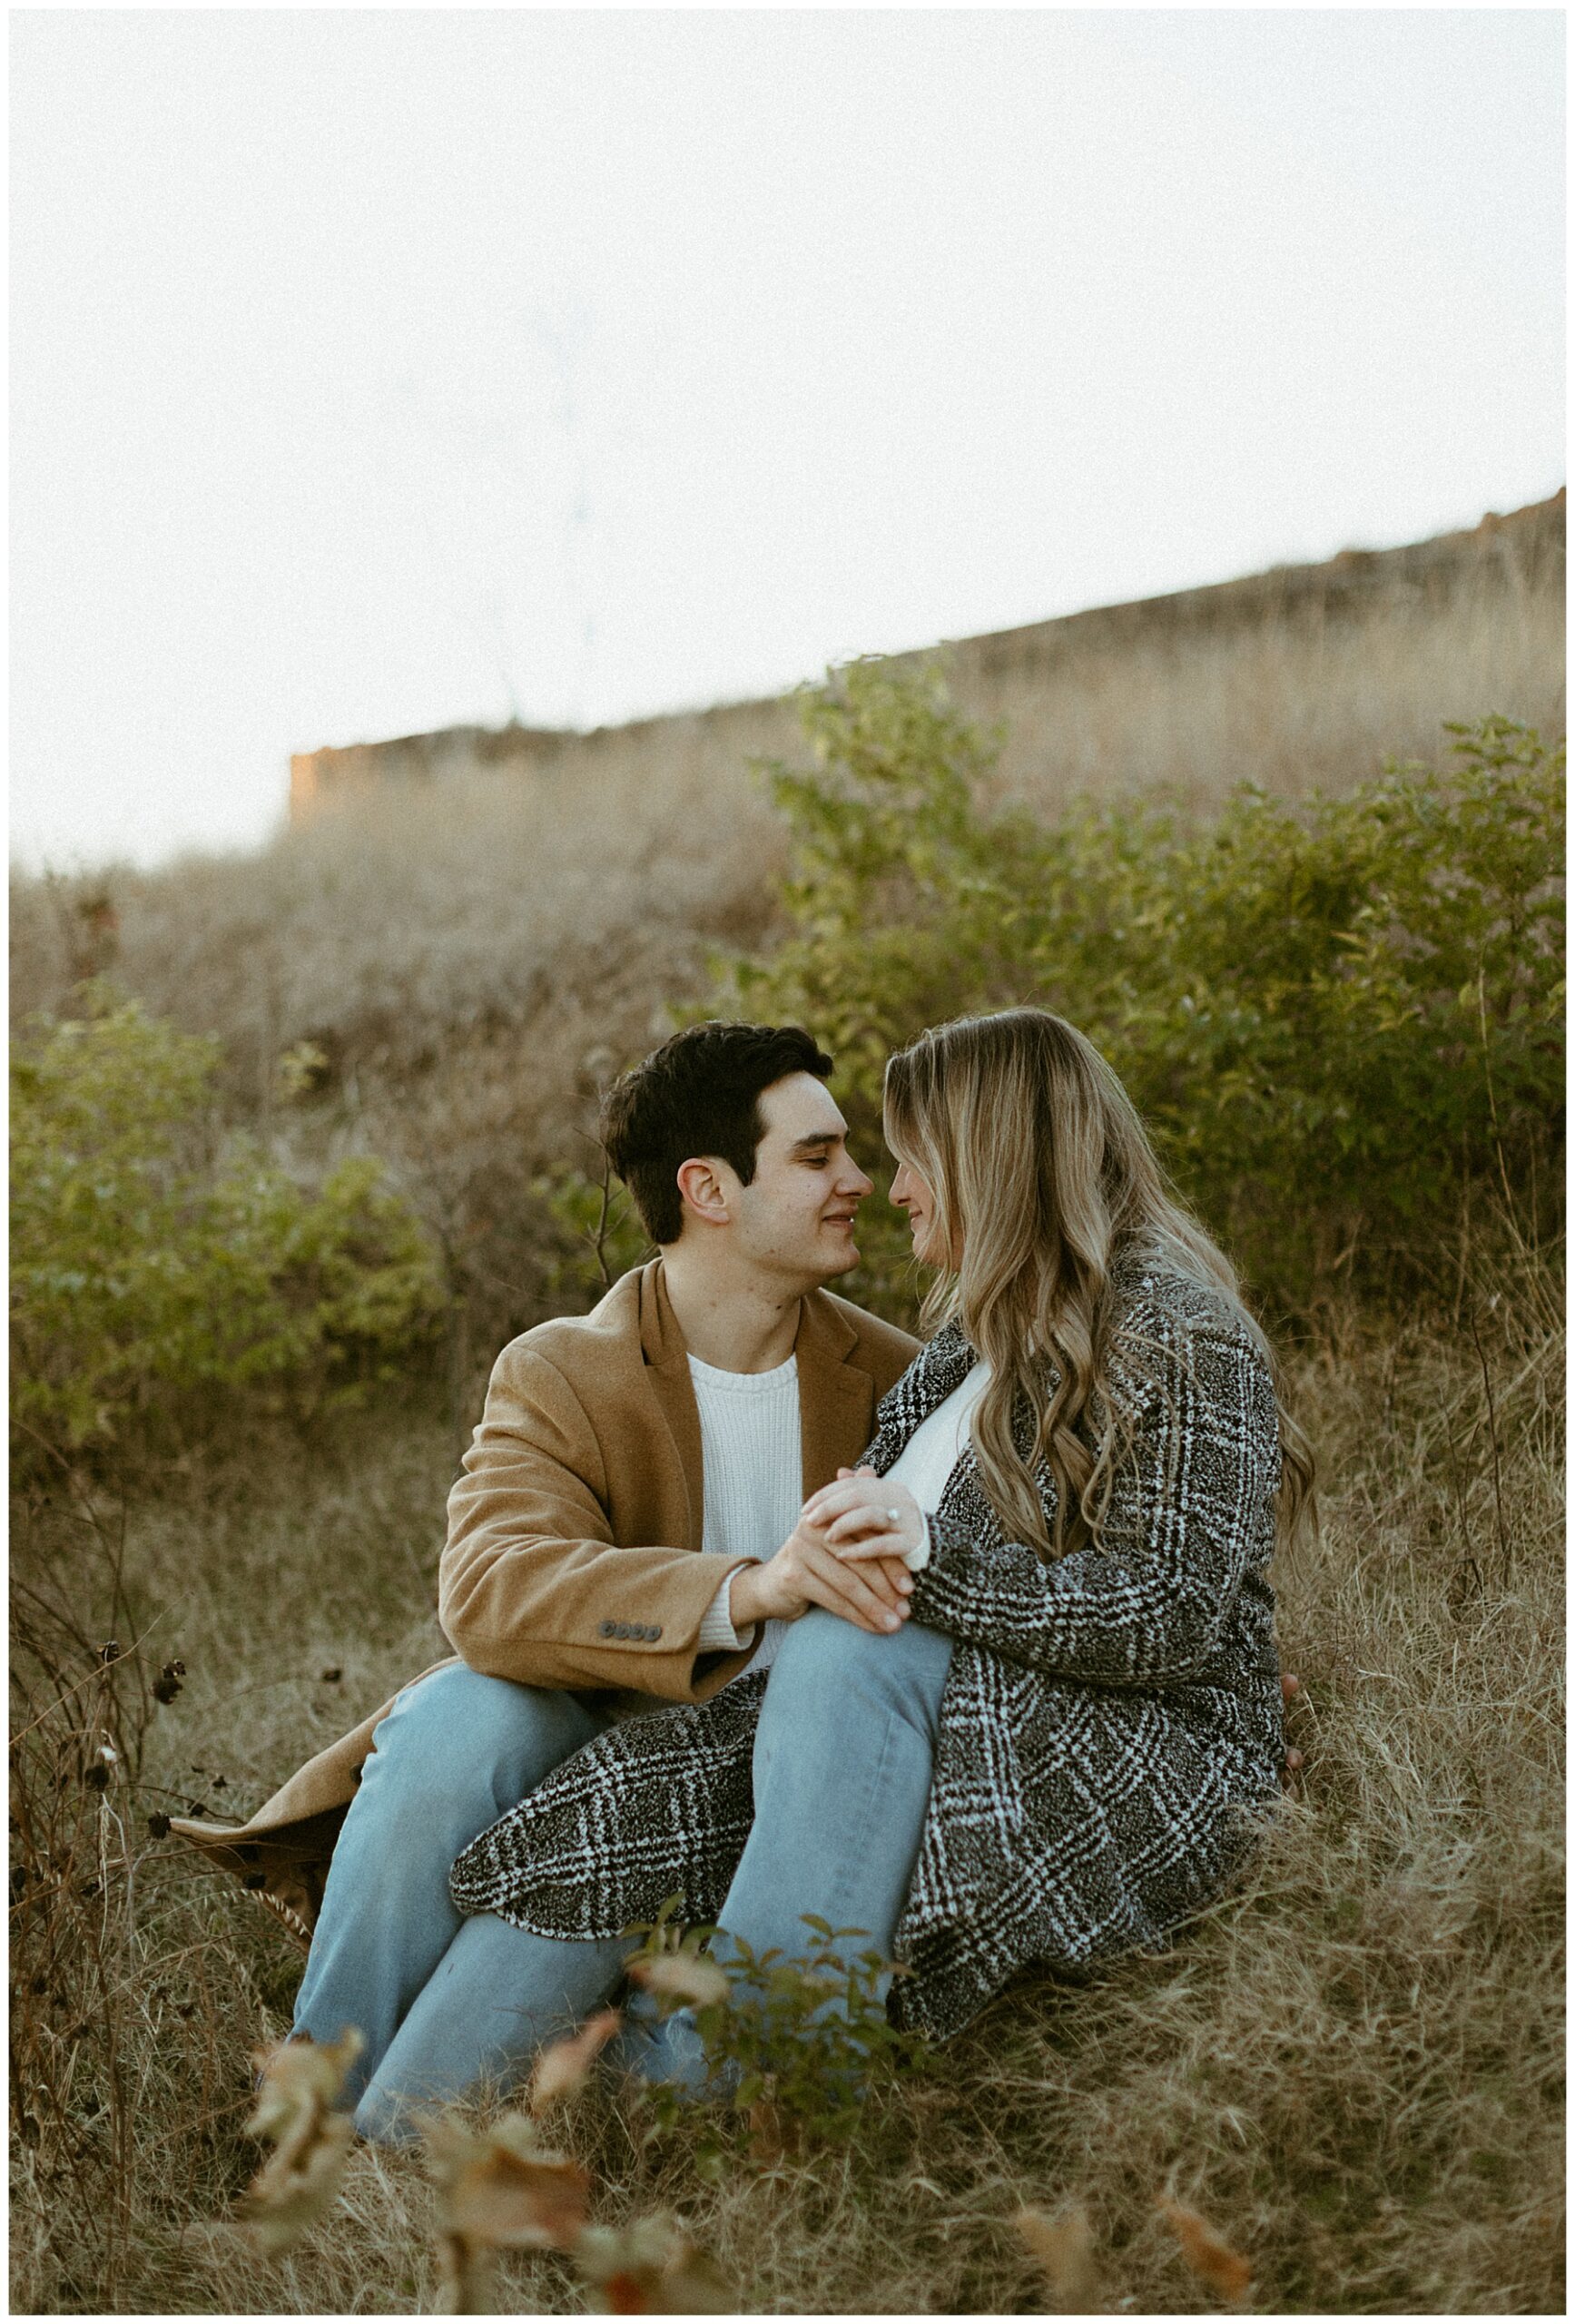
571	1557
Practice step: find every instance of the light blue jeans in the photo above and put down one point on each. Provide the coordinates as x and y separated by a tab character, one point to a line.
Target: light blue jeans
844	1758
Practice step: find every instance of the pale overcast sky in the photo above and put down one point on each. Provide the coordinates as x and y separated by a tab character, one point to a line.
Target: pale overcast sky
375	372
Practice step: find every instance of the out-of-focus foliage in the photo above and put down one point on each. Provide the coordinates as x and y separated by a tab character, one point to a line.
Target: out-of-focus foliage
153	1255
1340	1018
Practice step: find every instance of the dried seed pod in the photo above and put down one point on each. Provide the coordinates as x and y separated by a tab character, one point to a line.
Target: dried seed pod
500	2191
562	2067
1064	2248
651	2268
685	1977
301	2081
1213	2260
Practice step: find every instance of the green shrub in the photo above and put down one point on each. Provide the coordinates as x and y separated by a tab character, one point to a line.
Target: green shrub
793	2042
151	1257
1340	1019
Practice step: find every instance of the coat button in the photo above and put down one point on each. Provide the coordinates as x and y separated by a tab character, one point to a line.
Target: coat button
609	1629
654	1631
621	1629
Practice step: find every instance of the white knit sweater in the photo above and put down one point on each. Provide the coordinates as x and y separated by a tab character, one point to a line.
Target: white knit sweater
751	1454
751	1451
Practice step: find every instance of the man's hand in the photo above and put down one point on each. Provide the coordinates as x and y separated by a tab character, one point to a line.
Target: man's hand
805	1573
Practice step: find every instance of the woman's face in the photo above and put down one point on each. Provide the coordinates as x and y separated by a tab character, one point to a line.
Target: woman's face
909	1193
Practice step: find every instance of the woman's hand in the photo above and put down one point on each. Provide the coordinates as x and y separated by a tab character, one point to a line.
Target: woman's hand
807	1572
865	1516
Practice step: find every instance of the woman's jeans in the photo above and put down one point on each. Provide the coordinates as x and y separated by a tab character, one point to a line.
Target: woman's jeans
844	1756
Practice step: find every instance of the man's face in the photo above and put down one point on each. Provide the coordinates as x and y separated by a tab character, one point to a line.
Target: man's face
795	1217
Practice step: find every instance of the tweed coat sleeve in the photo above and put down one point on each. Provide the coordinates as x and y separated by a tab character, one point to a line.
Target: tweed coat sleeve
1191	1506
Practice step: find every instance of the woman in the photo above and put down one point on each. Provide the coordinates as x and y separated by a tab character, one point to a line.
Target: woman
1087	1467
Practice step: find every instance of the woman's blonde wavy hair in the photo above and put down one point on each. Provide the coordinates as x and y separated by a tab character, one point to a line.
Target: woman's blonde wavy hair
1041	1174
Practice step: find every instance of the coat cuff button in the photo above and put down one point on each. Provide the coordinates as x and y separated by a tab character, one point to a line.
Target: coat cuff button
609	1629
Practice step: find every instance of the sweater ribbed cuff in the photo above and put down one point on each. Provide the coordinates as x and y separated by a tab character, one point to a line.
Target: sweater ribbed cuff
716	1629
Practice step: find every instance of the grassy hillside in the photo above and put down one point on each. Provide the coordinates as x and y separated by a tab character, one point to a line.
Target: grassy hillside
1352	2064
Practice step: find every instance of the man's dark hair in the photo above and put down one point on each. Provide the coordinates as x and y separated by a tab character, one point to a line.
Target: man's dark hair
699	1093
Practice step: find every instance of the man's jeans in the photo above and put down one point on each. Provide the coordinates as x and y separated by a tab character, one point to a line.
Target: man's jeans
844	1758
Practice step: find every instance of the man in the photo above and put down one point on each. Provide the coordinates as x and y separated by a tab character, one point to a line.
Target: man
620	1455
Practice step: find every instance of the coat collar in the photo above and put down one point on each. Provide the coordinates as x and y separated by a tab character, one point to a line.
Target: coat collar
942	1365
836	1396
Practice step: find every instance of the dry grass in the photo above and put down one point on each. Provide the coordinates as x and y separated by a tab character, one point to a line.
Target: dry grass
1315	704
423	923
1351	2067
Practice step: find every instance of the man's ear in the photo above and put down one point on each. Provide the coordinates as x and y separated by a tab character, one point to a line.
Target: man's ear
699	1182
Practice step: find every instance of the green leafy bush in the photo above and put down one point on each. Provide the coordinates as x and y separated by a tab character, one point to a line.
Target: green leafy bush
793	2042
151	1257
1340	1019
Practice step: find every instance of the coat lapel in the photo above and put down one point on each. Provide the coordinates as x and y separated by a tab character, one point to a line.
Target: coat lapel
836	1400
939	1367
667	1361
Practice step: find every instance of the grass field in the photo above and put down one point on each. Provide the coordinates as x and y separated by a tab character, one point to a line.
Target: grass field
1352	2066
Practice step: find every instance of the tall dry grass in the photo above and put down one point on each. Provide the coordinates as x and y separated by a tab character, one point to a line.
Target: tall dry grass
1352	2065
1313	702
443	980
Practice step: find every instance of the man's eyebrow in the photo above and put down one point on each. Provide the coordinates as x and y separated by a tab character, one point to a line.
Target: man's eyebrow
820	1138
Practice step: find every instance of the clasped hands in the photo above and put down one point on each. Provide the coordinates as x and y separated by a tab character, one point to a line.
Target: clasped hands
845	1553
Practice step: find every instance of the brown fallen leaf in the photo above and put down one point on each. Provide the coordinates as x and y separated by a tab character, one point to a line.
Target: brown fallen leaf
298	2183
684	1977
1064	2248
1211	2260
651	2269
562	2067
498	2190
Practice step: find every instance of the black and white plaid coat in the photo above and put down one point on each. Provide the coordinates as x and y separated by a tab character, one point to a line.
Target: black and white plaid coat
1110	1730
